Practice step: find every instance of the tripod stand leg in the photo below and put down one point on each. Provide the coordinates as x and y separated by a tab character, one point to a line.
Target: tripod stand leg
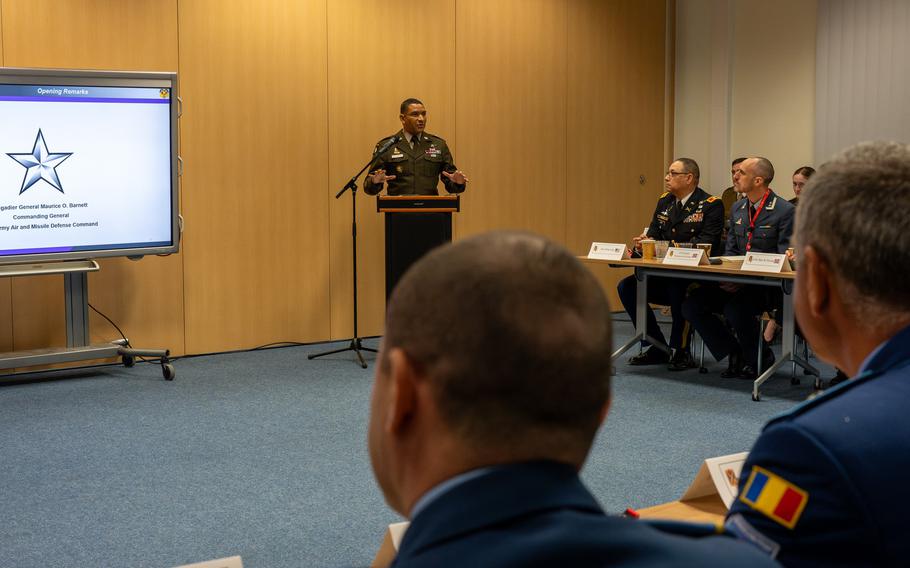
353	346
332	352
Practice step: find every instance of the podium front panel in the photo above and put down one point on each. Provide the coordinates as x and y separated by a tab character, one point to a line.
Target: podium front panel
409	236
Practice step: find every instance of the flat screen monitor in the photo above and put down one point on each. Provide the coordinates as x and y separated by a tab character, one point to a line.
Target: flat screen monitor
88	164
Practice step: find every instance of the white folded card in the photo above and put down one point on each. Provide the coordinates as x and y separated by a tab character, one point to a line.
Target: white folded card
766	262
608	251
718	476
685	256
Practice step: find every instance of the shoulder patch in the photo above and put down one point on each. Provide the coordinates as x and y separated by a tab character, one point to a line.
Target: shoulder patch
712	199
664	194
775	497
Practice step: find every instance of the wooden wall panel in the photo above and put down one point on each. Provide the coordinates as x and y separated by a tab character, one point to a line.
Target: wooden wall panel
616	120
6	315
511	114
144	298
552	107
374	64
255	184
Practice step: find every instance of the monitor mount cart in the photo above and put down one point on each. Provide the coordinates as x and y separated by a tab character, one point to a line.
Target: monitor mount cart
78	347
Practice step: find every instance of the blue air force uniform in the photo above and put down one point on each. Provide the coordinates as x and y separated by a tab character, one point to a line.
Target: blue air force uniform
771	233
700	220
827	483
540	514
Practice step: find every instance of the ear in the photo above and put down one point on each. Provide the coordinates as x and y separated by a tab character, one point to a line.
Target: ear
403	391
605	410
818	281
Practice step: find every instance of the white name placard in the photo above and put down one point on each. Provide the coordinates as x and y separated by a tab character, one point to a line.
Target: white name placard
718	476
685	256
608	251
766	262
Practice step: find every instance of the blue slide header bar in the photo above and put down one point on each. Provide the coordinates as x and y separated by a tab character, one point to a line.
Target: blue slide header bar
77	93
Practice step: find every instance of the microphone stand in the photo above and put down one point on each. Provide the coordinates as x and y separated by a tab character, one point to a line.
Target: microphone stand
355	344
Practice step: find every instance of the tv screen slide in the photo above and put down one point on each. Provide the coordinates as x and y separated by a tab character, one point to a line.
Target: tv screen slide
86	169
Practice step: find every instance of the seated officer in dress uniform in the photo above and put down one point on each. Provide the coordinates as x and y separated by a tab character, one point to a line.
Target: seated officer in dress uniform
685	213
417	162
763	222
826	483
491	383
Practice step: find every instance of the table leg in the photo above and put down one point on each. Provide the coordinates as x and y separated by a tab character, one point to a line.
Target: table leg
641	304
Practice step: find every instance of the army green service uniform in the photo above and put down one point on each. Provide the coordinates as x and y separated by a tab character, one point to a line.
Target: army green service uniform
417	170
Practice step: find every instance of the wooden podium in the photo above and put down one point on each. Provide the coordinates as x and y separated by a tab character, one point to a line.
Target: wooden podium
414	225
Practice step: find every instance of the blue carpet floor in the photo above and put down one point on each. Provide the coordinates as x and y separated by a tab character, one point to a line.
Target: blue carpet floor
263	454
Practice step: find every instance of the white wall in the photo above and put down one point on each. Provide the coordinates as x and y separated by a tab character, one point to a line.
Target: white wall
863	73
745	85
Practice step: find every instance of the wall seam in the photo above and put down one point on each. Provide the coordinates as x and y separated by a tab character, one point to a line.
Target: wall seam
180	180
328	167
565	122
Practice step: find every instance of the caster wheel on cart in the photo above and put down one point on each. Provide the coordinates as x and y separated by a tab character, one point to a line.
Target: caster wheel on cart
703	370
129	361
756	397
794	381
168	371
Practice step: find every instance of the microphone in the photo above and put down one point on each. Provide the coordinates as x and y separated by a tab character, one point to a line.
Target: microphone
388	144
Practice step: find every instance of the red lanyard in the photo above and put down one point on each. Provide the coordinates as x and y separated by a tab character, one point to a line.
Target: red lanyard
754	217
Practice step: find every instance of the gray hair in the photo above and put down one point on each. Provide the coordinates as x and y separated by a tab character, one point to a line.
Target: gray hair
691	167
853	212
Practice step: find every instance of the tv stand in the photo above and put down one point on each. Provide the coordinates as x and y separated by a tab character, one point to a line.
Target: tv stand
78	348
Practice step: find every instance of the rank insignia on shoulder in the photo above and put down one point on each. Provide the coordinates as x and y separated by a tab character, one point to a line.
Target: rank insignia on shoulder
664	194
774	497
712	199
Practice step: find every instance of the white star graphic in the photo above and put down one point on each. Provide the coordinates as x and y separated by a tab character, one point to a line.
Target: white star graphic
40	165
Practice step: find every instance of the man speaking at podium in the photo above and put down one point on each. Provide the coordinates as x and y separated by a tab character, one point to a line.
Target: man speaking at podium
413	162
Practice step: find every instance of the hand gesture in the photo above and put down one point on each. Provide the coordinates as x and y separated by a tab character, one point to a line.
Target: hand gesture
378	177
636	241
458	178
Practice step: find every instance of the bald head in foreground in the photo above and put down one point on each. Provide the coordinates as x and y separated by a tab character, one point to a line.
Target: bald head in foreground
826	484
492	381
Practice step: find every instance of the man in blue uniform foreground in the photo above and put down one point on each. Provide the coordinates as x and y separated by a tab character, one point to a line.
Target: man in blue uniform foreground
826	484
492	381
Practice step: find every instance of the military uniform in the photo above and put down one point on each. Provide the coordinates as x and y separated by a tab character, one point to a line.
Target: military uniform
826	483
700	220
771	232
417	170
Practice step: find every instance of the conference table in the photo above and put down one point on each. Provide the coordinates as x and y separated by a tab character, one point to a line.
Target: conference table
727	271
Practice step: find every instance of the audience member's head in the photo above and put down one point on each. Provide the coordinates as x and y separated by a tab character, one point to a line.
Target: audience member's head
682	177
854	250
800	178
733	165
753	176
496	350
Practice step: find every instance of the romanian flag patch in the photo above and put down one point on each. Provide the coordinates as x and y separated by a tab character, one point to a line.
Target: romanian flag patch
774	496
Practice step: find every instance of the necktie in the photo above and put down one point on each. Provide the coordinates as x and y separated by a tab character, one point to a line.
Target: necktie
414	141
